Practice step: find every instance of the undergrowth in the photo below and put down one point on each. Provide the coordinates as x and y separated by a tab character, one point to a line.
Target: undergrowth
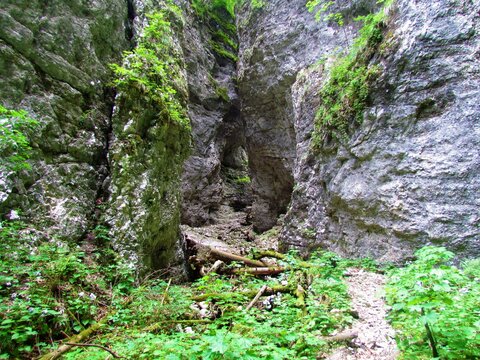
436	307
345	94
217	326
50	290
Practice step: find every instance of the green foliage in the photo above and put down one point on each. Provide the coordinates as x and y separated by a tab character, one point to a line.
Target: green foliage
47	288
258	4
14	144
322	13
155	70
346	92
165	324
432	291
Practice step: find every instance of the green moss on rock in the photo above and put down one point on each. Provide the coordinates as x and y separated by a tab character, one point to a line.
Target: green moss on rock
152	140
345	94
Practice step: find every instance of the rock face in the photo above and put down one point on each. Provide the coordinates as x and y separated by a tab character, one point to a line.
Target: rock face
53	63
217	129
276	42
408	176
149	142
146	203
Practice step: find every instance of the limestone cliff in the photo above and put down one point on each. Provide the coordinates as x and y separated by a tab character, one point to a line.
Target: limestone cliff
149	159
408	176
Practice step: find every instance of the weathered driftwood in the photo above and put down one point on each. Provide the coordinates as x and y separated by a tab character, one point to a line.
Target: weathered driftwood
249	294
255	299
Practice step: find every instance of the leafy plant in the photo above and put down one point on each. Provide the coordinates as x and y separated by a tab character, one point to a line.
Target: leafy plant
15	150
47	288
435	308
154	68
322	11
243	180
219	15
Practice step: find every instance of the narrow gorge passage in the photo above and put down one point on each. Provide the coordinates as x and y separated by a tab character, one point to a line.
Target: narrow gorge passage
230	228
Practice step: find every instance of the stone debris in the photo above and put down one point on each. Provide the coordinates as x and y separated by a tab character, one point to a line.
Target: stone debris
375	339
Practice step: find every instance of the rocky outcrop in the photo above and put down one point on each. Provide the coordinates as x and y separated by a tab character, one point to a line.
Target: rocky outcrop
276	42
54	60
150	140
408	176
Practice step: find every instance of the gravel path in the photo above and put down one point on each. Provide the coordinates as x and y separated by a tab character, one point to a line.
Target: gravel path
375	339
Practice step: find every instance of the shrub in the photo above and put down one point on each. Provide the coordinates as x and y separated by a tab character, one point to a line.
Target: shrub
14	144
435	305
346	92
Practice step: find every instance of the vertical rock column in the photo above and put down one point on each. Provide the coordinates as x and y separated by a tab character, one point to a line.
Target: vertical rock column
151	140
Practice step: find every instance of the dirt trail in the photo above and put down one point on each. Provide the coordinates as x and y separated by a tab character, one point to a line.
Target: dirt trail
375	339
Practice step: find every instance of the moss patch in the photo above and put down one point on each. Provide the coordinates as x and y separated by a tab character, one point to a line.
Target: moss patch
345	95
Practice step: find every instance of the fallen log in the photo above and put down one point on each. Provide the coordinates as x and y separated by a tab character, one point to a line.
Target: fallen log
260	254
273	270
249	294
80	337
255	299
75	339
222	255
225	256
114	354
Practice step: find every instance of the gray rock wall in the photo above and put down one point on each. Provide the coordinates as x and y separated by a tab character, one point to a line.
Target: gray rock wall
217	129
53	63
409	176
276	42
